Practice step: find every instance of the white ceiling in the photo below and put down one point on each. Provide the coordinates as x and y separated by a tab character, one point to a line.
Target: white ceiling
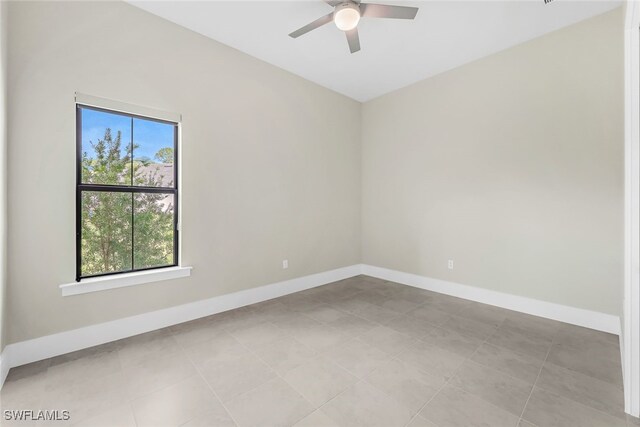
395	53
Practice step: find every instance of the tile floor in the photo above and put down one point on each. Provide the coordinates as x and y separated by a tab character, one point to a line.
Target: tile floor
359	352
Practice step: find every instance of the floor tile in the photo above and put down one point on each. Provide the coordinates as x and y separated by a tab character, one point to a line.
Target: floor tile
316	419
462	345
120	416
413	326
589	358
157	373
236	319
285	354
140	348
174	405
320	337
583	389
346	291
373	297
484	313
453	407
84	398
319	380
432	359
419	421
364	405
196	331
351	304
271	309
469	327
79	370
375	313
220	346
295	323
274	403
509	362
527	323
269	306
431	314
357	357
419	296
28	370
529	343
324	313
501	390
235	374
352	325
258	335
298	300
576	335
546	409
86	353
406	384
447	303
21	393
399	305
388	340
632	421
213	416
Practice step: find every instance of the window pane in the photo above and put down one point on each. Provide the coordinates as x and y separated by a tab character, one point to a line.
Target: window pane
153	230
106	148
106	232
153	153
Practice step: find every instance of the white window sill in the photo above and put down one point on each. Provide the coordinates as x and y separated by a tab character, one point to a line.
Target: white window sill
96	284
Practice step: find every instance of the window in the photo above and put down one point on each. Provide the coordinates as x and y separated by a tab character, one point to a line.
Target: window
126	193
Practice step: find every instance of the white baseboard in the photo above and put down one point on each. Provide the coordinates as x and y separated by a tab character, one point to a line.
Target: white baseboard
4	366
41	348
575	316
24	352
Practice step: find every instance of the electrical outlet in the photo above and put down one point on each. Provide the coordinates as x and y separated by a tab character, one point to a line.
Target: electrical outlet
450	264
285	264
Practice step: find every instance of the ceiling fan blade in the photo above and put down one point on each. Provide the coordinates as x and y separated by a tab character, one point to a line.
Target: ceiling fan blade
312	26
370	10
353	39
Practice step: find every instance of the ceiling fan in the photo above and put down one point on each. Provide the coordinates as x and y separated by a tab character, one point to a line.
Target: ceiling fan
347	13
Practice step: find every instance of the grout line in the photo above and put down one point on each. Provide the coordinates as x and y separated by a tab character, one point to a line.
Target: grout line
453	374
524	408
553	341
133	413
210	388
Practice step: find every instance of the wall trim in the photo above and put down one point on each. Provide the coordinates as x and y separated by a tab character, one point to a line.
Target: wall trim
103	283
36	349
630	345
4	366
563	313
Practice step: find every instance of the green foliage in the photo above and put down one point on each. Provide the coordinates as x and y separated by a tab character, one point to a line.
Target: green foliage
108	229
165	155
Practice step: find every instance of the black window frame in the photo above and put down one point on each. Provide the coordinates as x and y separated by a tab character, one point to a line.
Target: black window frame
81	187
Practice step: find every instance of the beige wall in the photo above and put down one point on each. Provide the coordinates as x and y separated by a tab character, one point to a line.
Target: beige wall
272	162
512	166
4	32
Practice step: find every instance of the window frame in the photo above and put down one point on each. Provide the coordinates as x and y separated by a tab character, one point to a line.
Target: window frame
131	189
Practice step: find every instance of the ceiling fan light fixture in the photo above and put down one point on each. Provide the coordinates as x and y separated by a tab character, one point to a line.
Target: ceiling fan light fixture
346	16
